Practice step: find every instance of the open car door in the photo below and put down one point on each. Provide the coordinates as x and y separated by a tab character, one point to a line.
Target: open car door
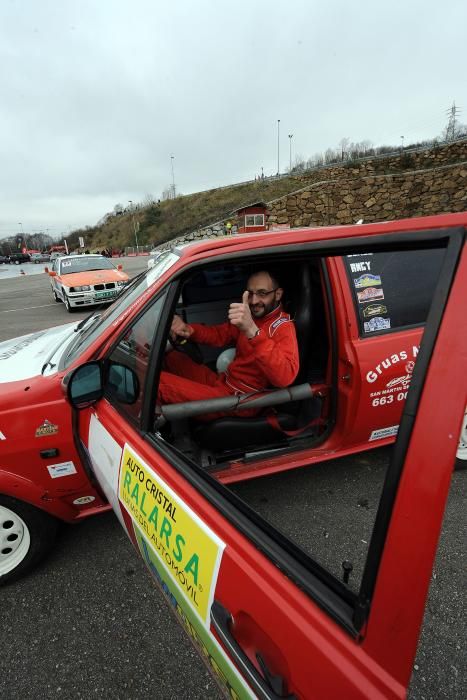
269	618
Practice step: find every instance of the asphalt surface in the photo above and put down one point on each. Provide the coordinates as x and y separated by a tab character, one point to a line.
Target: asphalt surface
90	623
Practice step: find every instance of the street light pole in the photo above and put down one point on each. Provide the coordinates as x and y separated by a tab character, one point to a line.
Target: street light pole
402	143
290	152
173	176
130	201
278	131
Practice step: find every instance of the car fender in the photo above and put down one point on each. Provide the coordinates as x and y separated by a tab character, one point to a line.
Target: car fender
25	490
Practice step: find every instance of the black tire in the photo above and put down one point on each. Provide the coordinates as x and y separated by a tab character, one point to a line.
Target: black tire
460	464
57	298
26	535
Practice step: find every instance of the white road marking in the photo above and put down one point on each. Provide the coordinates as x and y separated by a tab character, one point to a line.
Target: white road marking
26	308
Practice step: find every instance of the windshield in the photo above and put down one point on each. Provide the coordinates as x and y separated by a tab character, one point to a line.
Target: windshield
99	324
85	263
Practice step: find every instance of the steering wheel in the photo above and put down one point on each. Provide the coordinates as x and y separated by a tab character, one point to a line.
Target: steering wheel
188	347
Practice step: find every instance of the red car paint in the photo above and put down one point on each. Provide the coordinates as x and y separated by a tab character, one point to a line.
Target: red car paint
352	651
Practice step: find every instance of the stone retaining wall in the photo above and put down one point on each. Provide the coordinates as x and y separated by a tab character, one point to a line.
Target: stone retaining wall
432	181
376	197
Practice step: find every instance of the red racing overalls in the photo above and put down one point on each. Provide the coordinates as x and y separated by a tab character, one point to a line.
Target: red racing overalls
269	359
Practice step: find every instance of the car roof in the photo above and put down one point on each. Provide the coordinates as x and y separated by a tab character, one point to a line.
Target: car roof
245	241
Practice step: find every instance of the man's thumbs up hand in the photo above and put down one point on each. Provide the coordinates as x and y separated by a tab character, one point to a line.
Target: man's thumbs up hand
240	316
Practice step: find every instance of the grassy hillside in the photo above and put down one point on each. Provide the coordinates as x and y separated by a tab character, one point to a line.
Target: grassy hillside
162	222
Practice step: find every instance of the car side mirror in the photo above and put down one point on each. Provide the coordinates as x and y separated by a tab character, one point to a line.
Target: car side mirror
85	385
52	273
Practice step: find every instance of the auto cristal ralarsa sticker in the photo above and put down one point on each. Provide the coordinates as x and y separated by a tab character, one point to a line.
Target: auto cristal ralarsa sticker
212	653
185	546
46	428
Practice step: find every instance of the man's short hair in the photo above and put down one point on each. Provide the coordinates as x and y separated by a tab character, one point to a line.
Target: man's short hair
272	274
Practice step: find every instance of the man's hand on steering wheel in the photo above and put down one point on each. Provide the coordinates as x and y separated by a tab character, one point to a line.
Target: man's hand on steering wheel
179	330
180	339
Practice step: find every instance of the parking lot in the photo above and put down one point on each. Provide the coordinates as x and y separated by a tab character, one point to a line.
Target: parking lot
89	622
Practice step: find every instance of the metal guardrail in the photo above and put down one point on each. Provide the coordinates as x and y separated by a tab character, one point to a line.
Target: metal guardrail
362	159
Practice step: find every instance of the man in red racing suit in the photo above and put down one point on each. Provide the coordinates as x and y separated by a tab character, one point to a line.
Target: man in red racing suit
266	349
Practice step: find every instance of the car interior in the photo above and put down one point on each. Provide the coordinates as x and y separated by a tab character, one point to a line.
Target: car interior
293	418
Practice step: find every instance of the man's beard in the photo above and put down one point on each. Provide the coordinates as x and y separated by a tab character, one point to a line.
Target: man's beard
260	309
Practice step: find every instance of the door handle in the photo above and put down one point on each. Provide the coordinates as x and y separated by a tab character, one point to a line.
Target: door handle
265	687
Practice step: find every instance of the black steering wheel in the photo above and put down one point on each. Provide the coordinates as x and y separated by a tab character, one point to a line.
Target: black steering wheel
188	347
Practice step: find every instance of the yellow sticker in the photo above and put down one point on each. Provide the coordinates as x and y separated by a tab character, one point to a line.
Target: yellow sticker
187	548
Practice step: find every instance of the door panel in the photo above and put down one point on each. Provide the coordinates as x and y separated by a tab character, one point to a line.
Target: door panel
268	610
222	569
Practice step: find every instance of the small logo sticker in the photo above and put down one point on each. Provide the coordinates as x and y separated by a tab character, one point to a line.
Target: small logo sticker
369	293
367	280
47	428
374	309
376	324
82	500
383	433
62	469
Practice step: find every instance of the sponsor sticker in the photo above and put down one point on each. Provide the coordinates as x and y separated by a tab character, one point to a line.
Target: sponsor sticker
83	500
46	428
2	437
369	293
367	280
187	549
373	309
383	433
63	469
226	673
376	324
21	345
360	266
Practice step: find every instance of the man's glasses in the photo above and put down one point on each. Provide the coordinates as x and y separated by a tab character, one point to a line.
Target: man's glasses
261	293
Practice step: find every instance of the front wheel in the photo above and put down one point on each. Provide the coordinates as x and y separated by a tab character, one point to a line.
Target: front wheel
68	306
57	298
26	534
461	461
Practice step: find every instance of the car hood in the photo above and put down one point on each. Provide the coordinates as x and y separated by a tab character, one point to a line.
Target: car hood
24	357
77	279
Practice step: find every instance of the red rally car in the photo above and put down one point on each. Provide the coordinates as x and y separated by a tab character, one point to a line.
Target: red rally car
379	312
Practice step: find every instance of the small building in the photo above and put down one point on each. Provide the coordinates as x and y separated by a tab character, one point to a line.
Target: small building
252	218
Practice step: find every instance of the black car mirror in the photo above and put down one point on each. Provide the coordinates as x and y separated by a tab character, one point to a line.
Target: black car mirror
85	385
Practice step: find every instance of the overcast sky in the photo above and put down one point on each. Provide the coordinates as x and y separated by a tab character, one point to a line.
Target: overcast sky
97	95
